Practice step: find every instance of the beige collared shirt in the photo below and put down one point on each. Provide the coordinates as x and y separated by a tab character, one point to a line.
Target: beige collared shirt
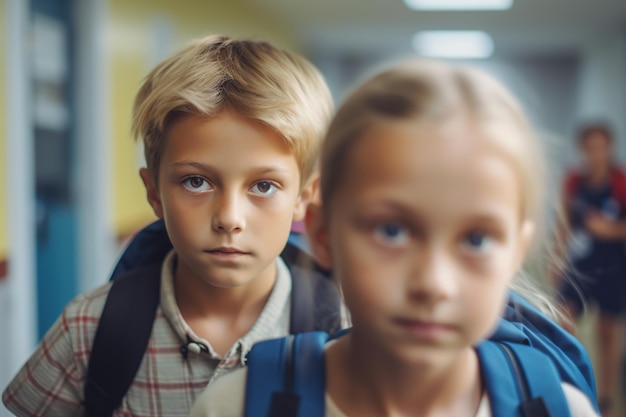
167	383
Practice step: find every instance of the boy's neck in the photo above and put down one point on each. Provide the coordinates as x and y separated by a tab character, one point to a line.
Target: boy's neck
221	315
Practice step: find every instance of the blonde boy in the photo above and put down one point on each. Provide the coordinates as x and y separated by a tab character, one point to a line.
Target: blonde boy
231	130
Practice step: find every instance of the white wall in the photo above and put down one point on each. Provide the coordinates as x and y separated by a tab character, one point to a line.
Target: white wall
545	86
17	294
602	86
97	245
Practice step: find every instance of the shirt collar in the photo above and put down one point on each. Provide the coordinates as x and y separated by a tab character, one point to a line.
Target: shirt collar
269	319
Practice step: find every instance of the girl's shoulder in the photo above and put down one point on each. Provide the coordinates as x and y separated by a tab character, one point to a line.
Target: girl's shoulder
579	403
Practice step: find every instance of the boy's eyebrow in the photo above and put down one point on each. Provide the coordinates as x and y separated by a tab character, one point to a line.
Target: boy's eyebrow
272	170
269	169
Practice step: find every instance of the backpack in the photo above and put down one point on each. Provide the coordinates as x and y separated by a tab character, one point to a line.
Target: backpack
126	321
524	362
522	323
286	378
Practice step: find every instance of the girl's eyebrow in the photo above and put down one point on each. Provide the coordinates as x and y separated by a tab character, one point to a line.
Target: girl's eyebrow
486	216
390	206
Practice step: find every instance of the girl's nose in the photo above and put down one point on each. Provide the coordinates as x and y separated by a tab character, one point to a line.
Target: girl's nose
434	275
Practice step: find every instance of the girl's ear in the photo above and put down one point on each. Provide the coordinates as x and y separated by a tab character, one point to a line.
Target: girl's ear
151	191
308	195
527	232
317	231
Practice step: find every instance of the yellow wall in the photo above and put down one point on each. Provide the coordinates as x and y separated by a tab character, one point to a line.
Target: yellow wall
132	37
3	144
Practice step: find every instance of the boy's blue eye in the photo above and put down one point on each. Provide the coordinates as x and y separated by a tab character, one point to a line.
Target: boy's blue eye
264	188
392	233
196	184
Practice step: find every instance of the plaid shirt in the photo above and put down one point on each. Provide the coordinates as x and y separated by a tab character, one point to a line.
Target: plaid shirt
51	382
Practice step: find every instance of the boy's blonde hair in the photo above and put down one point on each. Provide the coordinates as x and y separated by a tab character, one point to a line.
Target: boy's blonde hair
435	93
255	79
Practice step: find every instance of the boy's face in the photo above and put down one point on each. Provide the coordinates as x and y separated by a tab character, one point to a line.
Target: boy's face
424	234
228	191
597	150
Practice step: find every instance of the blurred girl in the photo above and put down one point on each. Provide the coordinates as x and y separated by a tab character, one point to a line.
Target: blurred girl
431	191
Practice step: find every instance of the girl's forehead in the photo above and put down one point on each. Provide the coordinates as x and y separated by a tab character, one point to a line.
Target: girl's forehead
414	142
448	164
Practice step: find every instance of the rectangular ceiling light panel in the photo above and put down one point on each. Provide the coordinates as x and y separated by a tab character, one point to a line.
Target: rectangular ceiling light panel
455	44
459	4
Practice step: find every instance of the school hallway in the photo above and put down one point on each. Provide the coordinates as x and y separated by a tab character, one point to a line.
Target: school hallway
586	336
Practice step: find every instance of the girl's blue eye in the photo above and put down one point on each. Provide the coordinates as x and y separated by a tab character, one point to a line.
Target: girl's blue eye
264	188
394	234
478	241
196	184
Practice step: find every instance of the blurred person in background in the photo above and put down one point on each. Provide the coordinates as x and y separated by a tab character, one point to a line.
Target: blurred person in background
594	198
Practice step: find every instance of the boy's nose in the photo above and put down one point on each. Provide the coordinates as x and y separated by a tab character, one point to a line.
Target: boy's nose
228	214
433	276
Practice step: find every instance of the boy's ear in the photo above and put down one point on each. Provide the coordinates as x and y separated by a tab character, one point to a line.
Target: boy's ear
309	194
151	192
317	232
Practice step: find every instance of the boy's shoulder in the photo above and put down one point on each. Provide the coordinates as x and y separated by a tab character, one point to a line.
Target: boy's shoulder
618	182
572	178
78	322
87	306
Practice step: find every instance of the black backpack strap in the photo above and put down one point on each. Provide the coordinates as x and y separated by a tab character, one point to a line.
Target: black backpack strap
302	314
121	339
149	246
315	299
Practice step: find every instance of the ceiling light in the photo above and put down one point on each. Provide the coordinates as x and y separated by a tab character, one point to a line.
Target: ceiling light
457	44
459	4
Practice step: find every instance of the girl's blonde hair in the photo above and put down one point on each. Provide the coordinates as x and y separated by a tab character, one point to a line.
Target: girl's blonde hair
255	79
435	93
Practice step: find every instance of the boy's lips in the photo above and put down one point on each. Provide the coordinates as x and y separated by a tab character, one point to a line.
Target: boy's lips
227	250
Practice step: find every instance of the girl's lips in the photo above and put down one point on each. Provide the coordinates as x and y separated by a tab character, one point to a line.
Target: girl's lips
429	330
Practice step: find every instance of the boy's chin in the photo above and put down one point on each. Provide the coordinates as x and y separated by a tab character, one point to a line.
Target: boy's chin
225	274
237	279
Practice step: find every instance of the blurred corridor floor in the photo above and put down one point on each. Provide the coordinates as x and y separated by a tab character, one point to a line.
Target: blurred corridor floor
586	336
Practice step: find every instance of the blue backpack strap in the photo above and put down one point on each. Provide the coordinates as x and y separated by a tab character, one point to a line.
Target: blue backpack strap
287	377
521	381
523	323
